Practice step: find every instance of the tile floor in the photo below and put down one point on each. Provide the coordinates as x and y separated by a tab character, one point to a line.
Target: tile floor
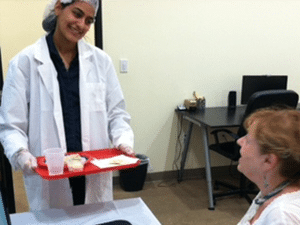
175	203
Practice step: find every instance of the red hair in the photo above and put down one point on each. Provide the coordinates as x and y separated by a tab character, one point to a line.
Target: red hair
278	132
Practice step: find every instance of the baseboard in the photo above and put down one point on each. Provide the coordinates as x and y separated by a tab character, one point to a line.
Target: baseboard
217	172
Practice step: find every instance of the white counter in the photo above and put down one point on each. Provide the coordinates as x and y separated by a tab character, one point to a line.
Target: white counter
132	210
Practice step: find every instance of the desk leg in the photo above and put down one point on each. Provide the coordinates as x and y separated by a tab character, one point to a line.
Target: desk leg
208	168
185	150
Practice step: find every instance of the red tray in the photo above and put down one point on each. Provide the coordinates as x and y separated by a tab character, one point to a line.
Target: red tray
89	168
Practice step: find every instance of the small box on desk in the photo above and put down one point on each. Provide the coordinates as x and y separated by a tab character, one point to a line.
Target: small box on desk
190	104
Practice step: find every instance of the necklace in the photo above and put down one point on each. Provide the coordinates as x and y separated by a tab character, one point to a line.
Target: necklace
261	201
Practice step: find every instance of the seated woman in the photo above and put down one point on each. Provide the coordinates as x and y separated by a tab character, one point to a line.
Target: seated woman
270	157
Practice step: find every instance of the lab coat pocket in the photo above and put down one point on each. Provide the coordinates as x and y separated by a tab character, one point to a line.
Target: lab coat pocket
96	96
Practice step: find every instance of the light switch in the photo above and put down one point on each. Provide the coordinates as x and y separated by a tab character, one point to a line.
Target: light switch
123	65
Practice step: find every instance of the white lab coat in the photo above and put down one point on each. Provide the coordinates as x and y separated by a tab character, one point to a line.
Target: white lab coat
31	117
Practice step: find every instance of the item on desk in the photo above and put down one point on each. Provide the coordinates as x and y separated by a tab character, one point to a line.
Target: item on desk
197	102
231	99
197	96
190	104
181	107
200	100
119	160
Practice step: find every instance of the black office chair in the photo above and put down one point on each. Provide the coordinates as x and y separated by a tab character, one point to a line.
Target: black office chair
230	149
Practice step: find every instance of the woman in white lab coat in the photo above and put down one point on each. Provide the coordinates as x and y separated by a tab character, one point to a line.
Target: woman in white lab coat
32	115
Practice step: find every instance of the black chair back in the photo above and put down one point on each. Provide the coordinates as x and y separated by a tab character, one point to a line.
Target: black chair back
231	150
264	99
269	98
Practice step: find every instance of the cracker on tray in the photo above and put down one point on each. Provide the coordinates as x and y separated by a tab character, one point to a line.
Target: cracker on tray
75	162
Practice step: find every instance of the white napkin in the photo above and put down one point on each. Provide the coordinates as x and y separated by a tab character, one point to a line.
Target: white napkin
119	160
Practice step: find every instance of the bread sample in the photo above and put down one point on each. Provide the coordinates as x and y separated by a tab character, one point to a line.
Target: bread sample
75	162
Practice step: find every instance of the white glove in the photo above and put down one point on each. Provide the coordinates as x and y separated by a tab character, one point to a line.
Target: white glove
26	161
126	149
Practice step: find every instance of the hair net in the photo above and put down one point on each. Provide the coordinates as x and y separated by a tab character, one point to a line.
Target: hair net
49	19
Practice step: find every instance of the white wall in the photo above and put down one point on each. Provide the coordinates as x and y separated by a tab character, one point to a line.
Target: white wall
175	47
21	25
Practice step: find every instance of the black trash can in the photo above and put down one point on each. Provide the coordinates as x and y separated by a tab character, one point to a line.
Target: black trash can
133	179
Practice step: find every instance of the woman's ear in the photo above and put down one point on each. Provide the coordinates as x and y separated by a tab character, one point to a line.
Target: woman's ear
58	8
271	161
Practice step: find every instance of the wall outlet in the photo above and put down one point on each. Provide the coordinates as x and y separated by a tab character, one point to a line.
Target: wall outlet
123	65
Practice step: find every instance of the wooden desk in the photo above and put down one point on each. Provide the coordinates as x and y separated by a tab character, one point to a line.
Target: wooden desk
214	117
133	210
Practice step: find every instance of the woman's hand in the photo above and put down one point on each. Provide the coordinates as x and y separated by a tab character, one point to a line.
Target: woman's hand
26	161
126	149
